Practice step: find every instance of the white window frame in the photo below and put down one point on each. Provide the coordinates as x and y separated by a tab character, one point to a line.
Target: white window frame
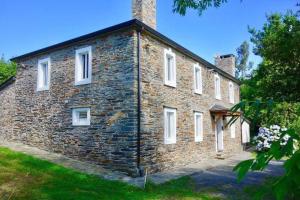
198	137
199	89
172	138
169	53
217	87
40	75
75	117
231	92
232	130
78	66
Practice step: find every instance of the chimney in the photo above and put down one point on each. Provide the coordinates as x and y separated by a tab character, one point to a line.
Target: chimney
226	63
145	11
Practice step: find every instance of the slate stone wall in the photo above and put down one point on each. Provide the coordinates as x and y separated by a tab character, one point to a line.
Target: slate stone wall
7	108
44	119
156	155
145	11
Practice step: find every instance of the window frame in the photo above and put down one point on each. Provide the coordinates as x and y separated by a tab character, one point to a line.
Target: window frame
198	90
75	117
169	53
198	138
231	92
217	87
232	130
172	139
79	67
39	74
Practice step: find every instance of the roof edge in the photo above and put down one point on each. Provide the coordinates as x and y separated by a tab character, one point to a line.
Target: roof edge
7	82
140	26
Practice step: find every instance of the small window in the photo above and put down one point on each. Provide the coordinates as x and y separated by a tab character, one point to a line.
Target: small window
83	68
231	92
170	125
170	68
232	130
197	79
198	126
217	87
81	117
43	80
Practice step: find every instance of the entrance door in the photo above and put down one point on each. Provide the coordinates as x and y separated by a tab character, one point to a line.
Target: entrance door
219	135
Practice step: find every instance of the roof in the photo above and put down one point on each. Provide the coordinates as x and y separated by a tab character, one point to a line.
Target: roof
7	82
219	109
125	25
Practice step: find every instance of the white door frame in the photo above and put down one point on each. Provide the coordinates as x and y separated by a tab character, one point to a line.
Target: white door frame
216	132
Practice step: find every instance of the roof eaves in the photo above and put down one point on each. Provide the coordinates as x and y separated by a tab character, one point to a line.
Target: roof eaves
7	82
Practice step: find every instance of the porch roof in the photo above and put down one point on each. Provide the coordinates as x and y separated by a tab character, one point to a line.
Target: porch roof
217	109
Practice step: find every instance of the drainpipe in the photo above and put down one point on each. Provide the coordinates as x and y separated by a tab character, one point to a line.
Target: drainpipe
140	171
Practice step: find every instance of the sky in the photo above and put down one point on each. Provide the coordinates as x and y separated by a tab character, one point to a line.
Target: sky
29	25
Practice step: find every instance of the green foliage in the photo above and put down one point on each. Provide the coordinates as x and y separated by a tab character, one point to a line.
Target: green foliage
278	44
288	185
181	6
242	65
7	70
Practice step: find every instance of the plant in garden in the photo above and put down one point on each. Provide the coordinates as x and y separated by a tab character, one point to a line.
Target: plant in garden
272	143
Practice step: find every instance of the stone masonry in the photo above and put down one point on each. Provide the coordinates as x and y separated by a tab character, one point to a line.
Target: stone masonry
145	11
156	155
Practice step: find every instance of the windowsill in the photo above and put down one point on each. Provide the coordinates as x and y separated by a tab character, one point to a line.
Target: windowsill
42	89
170	142
83	82
170	85
81	125
198	92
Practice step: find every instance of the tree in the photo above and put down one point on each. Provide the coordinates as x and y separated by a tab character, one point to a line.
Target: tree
180	6
278	45
7	70
242	65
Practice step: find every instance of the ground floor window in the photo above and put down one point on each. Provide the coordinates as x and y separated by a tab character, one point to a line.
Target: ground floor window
169	126
81	117
198	118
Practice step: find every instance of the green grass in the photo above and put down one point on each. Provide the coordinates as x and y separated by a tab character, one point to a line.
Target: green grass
25	177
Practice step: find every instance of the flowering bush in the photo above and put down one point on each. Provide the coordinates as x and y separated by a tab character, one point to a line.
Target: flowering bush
266	136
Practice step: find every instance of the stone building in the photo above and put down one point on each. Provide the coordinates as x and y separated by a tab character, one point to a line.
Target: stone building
126	97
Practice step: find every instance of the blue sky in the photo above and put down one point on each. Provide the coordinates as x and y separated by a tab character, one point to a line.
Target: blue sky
33	24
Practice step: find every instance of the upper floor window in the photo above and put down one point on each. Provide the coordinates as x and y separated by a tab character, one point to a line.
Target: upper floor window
231	92
43	79
83	66
170	126
217	87
197	79
198	117
81	117
170	68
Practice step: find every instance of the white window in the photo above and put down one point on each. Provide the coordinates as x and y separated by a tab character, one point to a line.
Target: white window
231	92
198	117
81	117
170	125
232	130
170	68
217	87
197	79
43	79
83	66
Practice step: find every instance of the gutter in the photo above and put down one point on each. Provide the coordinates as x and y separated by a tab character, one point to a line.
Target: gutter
139	100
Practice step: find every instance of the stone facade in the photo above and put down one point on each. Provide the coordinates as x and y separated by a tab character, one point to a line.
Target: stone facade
145	11
7	109
156	155
44	118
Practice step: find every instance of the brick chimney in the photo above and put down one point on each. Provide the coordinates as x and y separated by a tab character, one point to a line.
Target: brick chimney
145	11
226	63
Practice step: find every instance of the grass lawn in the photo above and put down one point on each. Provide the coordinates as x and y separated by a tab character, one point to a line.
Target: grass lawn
25	177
